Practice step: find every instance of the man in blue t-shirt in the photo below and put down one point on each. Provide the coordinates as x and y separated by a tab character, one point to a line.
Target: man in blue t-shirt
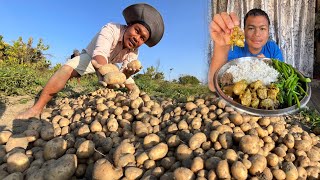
257	44
269	50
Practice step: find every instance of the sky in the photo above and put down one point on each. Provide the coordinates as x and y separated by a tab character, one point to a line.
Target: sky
66	25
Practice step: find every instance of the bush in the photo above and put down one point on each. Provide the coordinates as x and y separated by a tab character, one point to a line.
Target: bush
187	79
20	80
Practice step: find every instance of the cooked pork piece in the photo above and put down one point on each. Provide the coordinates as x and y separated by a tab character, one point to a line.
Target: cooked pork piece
240	87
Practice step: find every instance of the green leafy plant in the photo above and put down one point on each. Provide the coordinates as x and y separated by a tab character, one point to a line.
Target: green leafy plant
311	116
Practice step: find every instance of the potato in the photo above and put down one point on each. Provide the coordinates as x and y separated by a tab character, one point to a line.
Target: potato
149	164
17	162
14	176
167	176
259	163
272	160
103	169
223	171
151	140
183	173
236	119
314	153
123	149
108	68
190	106
81	170
239	171
302	172
197	164
133	173
225	140
141	158
95	126
112	124
85	149
16	141
62	168
158	152
279	174
279	152
140	129
224	128
197	140
289	140
249	144
135	64
231	156
4	136
126	159
183	152
54	148
290	170
114	78
212	175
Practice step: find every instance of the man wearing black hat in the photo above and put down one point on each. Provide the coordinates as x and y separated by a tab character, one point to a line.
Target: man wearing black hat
114	43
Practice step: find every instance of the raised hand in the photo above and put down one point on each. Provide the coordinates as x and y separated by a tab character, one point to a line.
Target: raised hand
221	27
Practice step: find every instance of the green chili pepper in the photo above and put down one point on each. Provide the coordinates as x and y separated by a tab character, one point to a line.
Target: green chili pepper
302	90
297	100
290	99
302	78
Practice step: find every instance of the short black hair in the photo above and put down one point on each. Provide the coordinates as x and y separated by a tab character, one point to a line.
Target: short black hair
256	12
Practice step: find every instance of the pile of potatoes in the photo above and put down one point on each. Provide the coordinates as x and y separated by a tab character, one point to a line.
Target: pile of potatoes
106	135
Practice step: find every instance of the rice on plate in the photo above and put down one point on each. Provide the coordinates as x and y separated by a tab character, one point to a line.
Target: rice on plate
252	71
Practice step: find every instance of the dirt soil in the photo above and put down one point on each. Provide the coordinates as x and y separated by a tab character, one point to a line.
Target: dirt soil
10	107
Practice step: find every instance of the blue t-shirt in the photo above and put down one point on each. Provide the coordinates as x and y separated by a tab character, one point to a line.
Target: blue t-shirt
269	50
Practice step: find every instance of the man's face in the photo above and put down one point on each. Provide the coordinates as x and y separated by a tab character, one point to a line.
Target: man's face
256	32
135	36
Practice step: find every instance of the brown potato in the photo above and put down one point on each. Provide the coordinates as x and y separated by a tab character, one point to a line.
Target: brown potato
108	68
135	64
114	78
239	171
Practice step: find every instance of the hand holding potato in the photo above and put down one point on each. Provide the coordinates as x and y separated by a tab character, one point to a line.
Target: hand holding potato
132	68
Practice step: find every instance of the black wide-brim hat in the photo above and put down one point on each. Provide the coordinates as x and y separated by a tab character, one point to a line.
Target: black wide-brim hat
150	16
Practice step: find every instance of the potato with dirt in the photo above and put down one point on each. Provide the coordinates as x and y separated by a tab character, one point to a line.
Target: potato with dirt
103	169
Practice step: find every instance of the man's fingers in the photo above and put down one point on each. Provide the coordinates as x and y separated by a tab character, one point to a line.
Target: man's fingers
221	23
227	20
214	27
235	18
103	83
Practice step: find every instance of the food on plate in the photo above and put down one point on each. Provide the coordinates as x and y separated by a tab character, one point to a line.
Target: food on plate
264	84
253	70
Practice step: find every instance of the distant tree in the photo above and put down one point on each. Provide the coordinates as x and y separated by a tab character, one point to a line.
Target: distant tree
188	79
3	47
24	53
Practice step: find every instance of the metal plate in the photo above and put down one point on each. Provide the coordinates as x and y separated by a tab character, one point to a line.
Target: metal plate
250	110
